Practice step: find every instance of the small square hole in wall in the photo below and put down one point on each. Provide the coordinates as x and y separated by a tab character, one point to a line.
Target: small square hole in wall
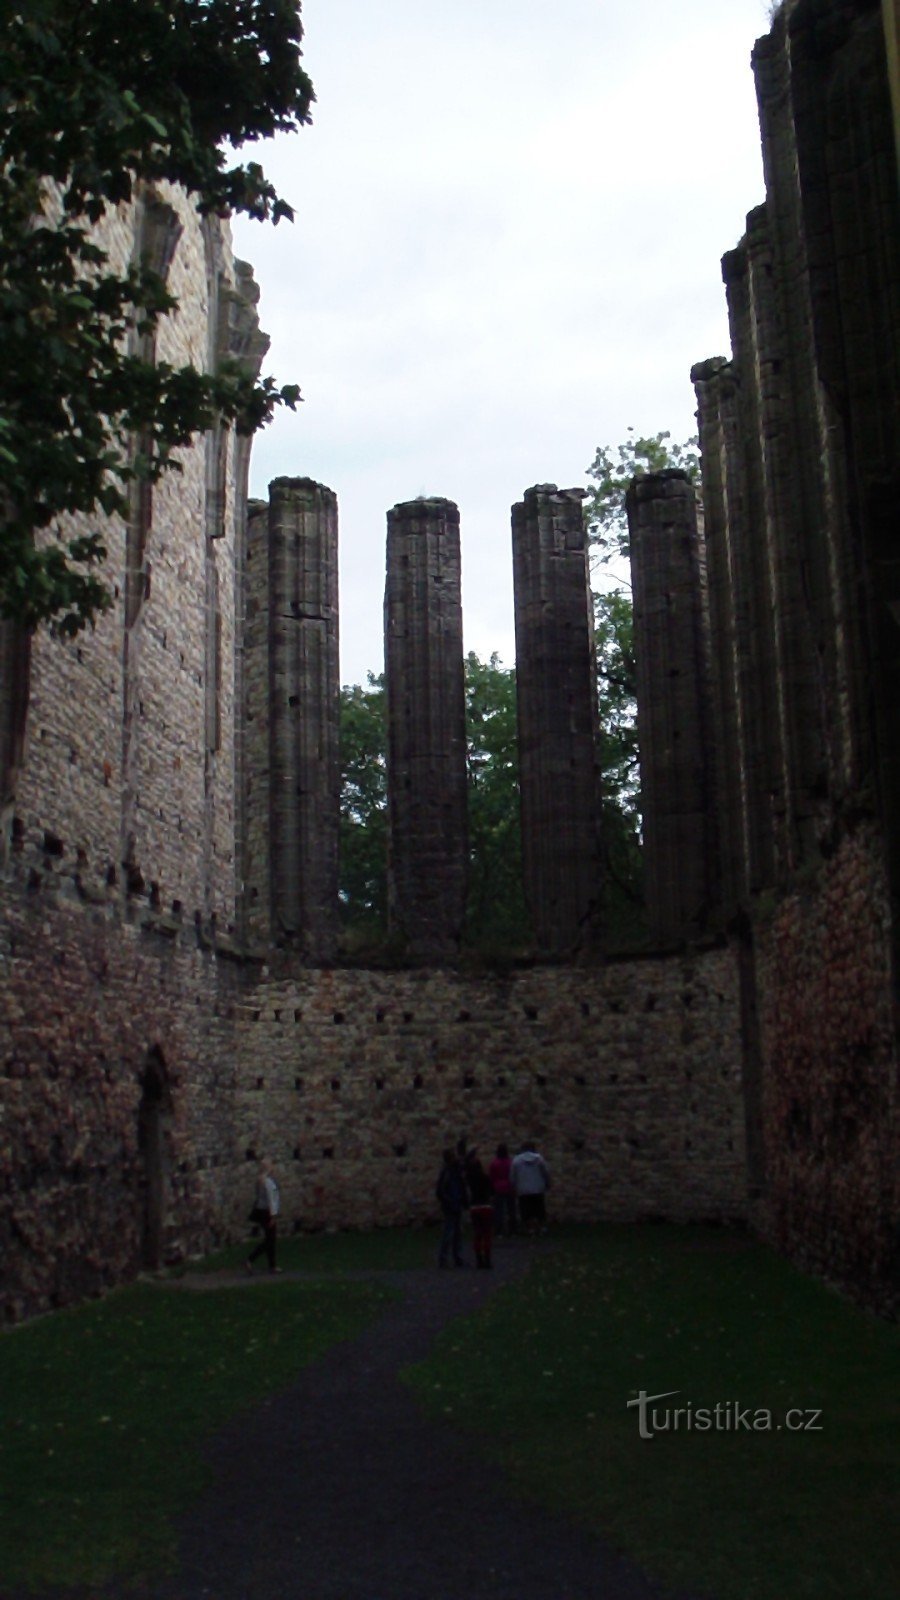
650	1003
407	1016
580	1079
500	1081
276	1015
296	1152
469	1081
338	1016
260	1083
585	1008
328	1153
464	1016
531	1013
417	1081
298	1016
250	1154
298	1083
379	1083
399	1149
335	1085
540	1080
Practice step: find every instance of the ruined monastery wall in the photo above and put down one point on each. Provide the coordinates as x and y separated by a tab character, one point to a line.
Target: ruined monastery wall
352	1082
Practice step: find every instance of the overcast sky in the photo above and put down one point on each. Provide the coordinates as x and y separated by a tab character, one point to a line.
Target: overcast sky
509	221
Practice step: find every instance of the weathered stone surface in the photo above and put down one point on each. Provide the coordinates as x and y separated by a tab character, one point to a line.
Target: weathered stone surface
556	688
681	864
304	710
423	662
351	1082
800	437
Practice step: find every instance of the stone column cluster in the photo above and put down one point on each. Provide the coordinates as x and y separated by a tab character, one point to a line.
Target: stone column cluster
556	681
800	446
426	728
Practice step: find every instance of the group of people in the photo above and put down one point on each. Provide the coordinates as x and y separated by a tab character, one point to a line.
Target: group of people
509	1193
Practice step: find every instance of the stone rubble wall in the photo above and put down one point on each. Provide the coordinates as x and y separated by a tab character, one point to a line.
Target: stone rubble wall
86	998
800	445
77	787
628	1077
831	1106
351	1082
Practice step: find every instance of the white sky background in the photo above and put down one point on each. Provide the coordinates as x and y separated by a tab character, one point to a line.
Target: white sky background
509	221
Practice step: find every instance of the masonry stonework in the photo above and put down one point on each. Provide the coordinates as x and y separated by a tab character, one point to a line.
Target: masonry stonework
800	440
169	1011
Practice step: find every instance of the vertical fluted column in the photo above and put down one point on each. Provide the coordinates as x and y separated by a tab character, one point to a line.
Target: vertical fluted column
674	730
716	388
556	681
426	727
304	708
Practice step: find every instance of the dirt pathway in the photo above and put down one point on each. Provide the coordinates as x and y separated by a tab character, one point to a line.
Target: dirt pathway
338	1488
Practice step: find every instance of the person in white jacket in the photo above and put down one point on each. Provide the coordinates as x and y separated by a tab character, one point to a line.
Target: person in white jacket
266	1207
530	1181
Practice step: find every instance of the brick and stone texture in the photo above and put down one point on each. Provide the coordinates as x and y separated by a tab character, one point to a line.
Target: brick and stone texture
423	660
628	1076
117	777
681	867
831	1088
352	1082
303	713
89	1002
556	690
800	439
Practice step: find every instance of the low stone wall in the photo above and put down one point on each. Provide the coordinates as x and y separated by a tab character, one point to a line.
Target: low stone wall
830	1094
628	1076
87	1003
351	1082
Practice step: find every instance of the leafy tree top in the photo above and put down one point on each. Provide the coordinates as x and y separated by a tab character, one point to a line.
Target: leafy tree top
613	470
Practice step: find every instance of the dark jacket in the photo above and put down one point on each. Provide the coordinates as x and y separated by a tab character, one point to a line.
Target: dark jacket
451	1189
480	1187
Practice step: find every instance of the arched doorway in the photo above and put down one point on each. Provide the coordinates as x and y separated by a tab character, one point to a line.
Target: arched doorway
153	1117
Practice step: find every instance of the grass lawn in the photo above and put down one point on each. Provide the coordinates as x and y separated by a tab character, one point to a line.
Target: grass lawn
382	1250
103	1411
544	1372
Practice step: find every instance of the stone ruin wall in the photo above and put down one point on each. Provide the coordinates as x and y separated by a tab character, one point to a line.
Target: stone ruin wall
352	1081
126	1009
798	582
127	776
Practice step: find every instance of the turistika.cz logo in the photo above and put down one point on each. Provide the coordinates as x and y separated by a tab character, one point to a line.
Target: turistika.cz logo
727	1416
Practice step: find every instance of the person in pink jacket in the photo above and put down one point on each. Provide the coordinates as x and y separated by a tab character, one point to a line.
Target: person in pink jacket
499	1173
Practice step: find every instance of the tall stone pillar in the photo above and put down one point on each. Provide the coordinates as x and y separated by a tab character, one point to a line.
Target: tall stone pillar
673	700
556	680
304	709
426	728
716	386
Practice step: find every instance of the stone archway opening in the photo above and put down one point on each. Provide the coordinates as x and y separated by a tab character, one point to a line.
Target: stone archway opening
154	1114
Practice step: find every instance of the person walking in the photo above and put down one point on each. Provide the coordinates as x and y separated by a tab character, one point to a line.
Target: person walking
530	1181
452	1197
481	1209
266	1207
499	1173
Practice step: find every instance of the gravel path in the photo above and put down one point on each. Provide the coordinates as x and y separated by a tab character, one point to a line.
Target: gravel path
339	1489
